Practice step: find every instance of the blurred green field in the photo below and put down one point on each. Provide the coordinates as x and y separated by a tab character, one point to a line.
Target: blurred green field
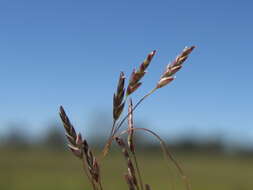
50	170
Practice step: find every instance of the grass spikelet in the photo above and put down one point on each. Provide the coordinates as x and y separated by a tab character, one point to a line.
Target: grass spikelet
130	167
69	128
165	79
118	104
137	75
80	149
174	67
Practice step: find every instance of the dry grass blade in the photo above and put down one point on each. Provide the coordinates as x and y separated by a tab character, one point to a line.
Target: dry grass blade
137	75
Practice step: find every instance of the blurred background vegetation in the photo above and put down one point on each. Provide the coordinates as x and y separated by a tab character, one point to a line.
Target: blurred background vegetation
45	163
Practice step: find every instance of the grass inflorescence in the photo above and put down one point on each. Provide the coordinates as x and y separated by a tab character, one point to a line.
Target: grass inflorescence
81	149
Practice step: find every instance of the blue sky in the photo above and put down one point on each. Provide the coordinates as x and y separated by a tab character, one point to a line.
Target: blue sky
70	53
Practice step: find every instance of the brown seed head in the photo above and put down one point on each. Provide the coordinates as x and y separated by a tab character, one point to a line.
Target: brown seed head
96	170
136	76
183	56
69	128
174	67
164	81
79	141
118	104
76	151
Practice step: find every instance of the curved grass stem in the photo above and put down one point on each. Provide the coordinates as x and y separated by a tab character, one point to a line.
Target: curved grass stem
166	153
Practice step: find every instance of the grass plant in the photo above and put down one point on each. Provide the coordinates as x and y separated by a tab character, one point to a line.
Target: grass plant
81	149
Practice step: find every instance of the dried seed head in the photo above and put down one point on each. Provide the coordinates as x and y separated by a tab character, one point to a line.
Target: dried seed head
85	146
183	56
133	87
187	51
147	61
79	140
164	81
76	151
69	128
174	67
80	149
136	76
70	139
118	97
172	70
96	170
130	166
90	158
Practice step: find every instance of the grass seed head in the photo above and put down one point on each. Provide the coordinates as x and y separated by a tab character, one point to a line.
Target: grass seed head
76	151
137	75
80	146
174	67
118	104
69	128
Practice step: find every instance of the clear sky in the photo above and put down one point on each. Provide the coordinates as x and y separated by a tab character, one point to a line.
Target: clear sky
70	53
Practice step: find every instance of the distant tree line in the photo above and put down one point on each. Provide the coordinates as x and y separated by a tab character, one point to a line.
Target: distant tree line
54	138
